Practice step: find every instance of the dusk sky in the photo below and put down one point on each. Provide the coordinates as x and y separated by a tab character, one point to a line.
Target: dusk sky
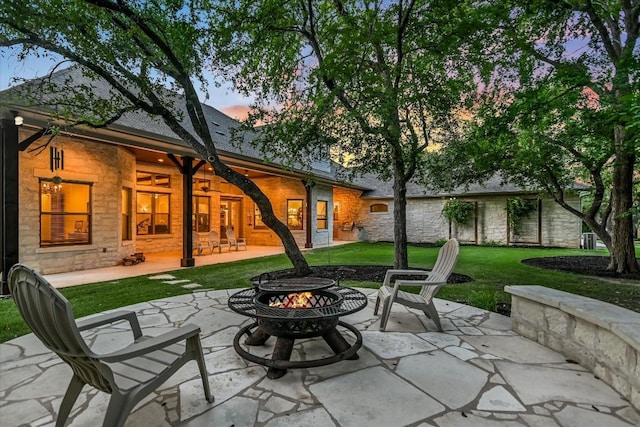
223	98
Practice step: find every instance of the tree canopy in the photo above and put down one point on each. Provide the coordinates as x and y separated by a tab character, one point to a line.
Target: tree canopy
152	54
559	107
376	82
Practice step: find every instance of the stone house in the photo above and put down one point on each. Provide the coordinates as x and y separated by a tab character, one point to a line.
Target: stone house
96	195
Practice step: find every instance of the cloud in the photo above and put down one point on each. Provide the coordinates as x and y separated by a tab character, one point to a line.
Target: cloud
238	111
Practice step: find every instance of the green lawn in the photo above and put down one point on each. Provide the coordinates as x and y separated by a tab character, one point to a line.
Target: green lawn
491	268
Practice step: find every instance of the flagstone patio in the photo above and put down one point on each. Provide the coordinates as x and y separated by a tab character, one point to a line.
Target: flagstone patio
477	373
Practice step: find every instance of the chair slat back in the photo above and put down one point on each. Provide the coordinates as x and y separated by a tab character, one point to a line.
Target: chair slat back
445	263
50	316
213	237
231	235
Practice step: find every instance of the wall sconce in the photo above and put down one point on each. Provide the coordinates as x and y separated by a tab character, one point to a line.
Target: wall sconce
18	120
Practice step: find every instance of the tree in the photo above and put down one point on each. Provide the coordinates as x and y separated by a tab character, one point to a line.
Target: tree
375	81
152	54
562	94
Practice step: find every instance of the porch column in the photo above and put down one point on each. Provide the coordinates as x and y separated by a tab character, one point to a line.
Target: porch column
309	241
187	213
187	170
9	188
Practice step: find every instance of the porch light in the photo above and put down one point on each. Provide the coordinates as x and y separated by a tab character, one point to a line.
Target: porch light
18	120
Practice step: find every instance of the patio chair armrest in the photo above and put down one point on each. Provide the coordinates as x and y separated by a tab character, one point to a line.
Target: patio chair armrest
150	344
108	318
391	273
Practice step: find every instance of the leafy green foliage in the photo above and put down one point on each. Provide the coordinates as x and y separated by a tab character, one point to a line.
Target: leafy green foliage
518	209
457	211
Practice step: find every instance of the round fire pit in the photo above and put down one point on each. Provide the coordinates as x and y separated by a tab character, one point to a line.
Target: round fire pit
292	309
297	314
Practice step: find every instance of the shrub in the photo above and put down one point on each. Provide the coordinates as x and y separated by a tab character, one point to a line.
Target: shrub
518	209
457	212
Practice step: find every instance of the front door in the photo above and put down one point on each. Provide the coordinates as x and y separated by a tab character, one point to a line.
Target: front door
230	216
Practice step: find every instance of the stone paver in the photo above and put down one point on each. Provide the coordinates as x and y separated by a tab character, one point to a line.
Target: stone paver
477	373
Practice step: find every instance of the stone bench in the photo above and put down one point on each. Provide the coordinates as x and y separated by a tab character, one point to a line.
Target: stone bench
601	337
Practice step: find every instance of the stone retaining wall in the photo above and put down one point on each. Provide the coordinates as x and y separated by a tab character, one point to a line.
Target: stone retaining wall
600	336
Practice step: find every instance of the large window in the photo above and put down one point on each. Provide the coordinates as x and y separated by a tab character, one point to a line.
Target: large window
295	214
126	213
65	213
201	207
152	213
321	215
257	218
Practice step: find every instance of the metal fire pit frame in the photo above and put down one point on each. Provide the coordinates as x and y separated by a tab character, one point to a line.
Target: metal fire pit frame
243	302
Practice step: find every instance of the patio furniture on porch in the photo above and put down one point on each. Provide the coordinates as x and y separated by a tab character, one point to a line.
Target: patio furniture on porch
215	242
435	279
200	242
128	374
233	240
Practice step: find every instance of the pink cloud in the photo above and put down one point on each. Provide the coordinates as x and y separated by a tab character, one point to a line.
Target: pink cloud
238	112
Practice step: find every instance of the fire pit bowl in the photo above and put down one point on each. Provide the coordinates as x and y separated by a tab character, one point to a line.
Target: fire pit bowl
297	314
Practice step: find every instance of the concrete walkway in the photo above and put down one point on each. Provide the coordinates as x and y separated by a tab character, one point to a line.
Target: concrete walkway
478	373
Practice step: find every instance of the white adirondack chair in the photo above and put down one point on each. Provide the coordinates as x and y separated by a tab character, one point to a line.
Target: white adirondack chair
435	279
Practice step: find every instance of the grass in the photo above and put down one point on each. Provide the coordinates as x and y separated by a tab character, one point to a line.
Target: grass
491	268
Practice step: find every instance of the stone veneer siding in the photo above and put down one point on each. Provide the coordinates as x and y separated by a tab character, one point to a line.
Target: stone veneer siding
108	168
425	222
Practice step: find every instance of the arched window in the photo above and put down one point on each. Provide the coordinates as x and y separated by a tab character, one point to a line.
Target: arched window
379	207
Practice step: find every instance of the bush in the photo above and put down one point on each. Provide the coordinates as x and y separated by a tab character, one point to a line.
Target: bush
458	212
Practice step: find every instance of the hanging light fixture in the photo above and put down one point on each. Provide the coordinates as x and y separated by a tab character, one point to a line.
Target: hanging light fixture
204	186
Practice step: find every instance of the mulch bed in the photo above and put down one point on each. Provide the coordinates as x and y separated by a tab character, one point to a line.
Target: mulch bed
587	265
358	273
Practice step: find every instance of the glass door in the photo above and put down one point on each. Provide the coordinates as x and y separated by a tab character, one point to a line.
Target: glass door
230	216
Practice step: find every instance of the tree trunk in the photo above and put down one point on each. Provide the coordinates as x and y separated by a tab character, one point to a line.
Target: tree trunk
401	259
291	248
623	255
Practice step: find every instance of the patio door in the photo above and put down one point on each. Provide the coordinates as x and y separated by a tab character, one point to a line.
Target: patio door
231	215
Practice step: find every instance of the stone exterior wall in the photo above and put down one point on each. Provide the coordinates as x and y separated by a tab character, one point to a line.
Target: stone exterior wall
425	222
107	168
602	337
347	206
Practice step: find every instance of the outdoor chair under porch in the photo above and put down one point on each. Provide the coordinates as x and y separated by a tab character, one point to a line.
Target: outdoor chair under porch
435	279
128	374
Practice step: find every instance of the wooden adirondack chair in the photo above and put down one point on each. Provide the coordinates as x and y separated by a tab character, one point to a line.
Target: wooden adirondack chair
128	374
435	279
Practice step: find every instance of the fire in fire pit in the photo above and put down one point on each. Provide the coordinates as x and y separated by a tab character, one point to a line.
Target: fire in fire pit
293	300
290	310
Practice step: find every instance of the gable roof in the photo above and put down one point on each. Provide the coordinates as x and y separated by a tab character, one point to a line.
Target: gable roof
495	185
138	124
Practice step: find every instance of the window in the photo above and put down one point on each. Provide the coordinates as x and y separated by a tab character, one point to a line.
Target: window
295	215
321	215
257	218
201	206
379	207
65	213
153	179
126	213
152	213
